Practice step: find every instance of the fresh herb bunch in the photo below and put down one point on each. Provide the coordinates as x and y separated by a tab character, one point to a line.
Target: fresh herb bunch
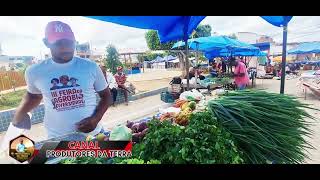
83	160
161	142
138	161
266	126
201	142
206	142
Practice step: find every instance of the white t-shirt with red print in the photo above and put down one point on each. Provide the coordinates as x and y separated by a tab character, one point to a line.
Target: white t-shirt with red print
68	92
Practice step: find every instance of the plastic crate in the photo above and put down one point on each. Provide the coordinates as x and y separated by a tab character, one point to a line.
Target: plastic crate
166	97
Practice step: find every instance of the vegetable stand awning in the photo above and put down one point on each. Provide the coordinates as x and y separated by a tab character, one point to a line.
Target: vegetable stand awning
180	27
312	47
277	20
219	46
168	27
169	58
262	46
213	54
157	60
211	43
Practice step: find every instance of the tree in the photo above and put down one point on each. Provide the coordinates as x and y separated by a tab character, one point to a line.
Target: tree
153	41
112	60
233	36
202	31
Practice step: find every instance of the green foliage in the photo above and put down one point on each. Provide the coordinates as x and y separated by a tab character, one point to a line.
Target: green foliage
11	100
112	60
138	161
201	142
233	36
150	56
153	41
83	160
207	142
266	126
202	31
160	142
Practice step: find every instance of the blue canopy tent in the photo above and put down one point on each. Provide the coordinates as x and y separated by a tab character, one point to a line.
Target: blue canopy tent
213	54
262	46
157	60
212	43
180	27
220	46
169	27
169	58
311	47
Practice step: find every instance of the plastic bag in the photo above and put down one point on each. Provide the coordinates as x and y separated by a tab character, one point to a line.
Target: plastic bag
15	131
121	133
170	110
191	95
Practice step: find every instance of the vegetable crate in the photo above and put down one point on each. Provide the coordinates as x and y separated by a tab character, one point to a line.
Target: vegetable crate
167	97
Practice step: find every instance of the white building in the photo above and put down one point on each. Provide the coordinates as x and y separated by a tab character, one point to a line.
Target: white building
248	37
9	62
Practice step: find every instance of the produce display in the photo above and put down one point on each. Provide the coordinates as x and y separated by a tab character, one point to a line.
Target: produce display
220	80
266	126
239	127
203	141
139	130
135	161
83	160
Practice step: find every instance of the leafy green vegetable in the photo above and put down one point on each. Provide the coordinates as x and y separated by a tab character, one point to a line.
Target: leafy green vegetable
207	142
83	160
132	161
266	126
201	142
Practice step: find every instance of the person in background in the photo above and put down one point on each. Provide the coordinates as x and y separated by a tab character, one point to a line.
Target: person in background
214	71
198	72
192	73
112	84
121	80
223	66
21	147
288	69
241	76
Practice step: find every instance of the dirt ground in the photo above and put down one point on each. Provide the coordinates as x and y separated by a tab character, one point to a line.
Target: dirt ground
152	79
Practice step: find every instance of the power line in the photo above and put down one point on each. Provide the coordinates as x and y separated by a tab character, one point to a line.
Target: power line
302	36
314	27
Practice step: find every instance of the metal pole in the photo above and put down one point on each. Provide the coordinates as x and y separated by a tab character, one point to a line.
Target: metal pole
187	61
197	58
284	53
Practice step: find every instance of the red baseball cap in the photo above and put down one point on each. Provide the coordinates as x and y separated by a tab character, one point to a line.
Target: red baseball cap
57	30
119	68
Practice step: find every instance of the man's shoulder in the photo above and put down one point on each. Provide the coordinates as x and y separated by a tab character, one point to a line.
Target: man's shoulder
39	66
86	62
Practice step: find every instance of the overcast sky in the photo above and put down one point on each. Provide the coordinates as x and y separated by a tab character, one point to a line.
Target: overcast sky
22	35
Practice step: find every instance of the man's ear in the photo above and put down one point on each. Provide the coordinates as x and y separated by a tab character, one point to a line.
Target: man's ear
45	41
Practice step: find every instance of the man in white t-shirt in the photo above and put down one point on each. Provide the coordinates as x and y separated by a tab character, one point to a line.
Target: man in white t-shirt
67	85
111	81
